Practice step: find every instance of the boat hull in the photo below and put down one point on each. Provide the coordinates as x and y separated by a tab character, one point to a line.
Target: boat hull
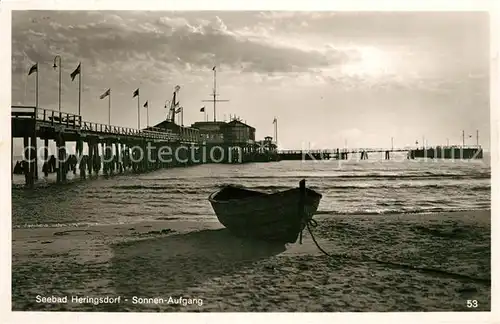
273	217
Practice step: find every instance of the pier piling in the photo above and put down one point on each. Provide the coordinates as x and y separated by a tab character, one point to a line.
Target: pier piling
26	161
118	158
34	155
90	161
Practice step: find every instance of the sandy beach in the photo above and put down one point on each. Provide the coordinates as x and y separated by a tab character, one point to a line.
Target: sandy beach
410	262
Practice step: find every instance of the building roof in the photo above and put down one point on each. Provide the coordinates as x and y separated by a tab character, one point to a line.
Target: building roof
166	124
208	123
235	121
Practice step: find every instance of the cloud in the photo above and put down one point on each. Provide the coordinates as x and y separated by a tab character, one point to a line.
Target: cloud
117	37
279	48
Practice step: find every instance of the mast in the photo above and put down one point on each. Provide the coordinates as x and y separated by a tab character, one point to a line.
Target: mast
214	95
171	113
173	105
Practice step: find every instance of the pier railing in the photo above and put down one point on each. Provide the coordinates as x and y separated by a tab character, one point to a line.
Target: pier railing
375	150
52	117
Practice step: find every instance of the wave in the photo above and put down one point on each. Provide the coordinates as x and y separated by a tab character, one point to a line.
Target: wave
430	210
475	187
57	224
452	176
382	176
167	188
204	189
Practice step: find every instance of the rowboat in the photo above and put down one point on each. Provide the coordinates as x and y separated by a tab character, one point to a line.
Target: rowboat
279	216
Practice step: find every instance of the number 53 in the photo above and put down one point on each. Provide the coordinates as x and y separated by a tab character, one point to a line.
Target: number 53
472	303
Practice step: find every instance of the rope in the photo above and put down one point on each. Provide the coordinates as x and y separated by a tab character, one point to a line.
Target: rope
312	223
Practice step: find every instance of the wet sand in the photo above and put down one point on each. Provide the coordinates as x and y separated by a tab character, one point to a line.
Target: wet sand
411	262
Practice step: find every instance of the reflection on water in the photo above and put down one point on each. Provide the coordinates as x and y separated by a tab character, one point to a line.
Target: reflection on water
373	186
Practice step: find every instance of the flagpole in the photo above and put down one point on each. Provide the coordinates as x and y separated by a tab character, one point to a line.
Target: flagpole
215	92
60	81
36	93
276	133
147	114
138	111
109	108
34	130
80	90
60	76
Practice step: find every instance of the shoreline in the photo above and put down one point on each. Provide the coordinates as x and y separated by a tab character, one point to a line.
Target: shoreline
209	218
203	260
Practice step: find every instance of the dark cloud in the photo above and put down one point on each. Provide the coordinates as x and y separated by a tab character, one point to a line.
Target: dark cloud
130	38
130	47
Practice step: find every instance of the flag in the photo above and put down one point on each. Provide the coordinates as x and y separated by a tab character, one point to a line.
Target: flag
470	135
275	120
33	69
178	110
145	105
177	88
105	94
202	109
136	93
75	72
213	69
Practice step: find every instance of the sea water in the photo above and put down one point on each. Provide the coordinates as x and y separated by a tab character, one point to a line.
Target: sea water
374	186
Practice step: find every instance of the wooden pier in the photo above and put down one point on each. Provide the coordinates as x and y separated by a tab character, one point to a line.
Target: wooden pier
115	149
438	152
121	146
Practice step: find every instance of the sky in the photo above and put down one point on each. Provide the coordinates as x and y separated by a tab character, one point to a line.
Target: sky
332	79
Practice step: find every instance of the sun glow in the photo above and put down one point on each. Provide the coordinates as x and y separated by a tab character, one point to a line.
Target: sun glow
372	62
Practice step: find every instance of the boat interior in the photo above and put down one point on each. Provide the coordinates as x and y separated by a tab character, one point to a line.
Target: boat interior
232	192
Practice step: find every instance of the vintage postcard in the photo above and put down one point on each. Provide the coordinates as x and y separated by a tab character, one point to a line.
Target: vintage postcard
329	161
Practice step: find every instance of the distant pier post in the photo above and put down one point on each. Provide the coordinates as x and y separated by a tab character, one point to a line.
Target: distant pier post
387	155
